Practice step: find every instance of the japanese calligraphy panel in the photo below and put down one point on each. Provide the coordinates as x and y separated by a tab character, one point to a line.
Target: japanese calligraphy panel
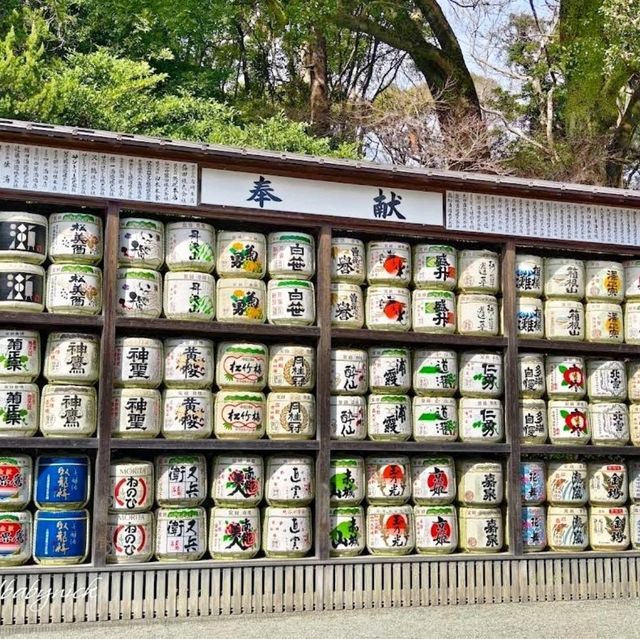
316	197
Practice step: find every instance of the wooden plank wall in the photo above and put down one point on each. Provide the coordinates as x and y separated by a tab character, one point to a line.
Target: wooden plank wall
124	595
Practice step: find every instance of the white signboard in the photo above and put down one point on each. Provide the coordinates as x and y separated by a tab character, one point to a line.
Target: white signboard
296	195
122	177
541	218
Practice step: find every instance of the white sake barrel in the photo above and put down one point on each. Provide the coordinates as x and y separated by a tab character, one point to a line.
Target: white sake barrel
242	366
75	237
606	380
389	370
434	480
435	266
187	413
478	315
19	410
181	480
189	296
566	377
479	271
23	237
564	278
388	308
481	374
16	538
567	528
390	530
634	424
609	424
433	311
480	482
481	420
347	305
348	417
16	480
291	254
533	481
74	289
141	243
529	275
634	525
534	528
241	301
603	323
633	381
139	362
291	302
292	367
346	531
241	254
19	356
568	422
531	375
436	529
190	246
139	293
389	263
22	287
347	260
529	318
290	481
349	371
604	281
634	481
435	419
346	481
136	413
388	479
237	480
608	484
132	486
234	533
609	528
632	322
481	529
533	421
68	411
567	483
239	414
564	320
435	372
291	416
72	358
389	417
181	534
631	279
188	363
287	532
130	537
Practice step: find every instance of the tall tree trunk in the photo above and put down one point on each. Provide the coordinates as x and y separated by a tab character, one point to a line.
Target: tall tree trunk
319	95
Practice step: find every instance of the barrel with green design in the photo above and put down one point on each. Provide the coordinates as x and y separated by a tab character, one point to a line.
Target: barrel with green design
389	370
141	243
436	529
433	311
181	534
435	419
435	372
75	238
190	246
389	417
481	374
242	365
291	254
481	420
435	266
74	289
139	293
189	296
346	481
346	531
291	302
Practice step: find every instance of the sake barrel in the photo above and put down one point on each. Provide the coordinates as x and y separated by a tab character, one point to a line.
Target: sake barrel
291	416
389	417
388	479
634	481
72	358
349	371
23	237
603	323
567	528
132	486
290	481
478	315
190	246
435	419
634	525
389	370
481	420
566	377
433	311
346	531
534	528
529	318
141	243
181	480
529	280
22	287
608	484
19	356
631	279
291	254
564	320
348	417
292	367
564	278
347	260
481	374
75	237
291	302
188	363
187	413
68	411
435	266
130	537
609	424
16	537
481	529
568	422
390	530
389	263
241	254
634	424
136	413
241	301
436	529
531	375
533	421
239	415
189	296
234	533
16	480
62	481
138	362
242	366
631	322
604	280
606	380
287	532
479	271
480	482
533	480
60	538
347	305
238	480
434	480
74	289
19	410
633	381
139	293
435	372
567	483
346	481
388	308
609	528
181	534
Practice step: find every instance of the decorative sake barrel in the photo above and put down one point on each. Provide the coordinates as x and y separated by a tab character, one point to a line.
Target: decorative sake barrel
75	237
234	533
130	537
238	481
60	538
346	531
390	530
287	532
181	534
436	529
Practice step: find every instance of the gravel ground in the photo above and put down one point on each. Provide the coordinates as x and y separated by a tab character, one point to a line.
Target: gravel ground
579	620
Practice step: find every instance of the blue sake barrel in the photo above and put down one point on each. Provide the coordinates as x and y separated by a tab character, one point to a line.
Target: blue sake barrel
61	482
60	537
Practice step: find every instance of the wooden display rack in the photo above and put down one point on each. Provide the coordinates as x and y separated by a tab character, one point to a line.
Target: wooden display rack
97	591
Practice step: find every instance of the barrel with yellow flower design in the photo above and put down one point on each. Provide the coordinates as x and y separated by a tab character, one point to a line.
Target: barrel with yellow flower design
241	254
241	301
